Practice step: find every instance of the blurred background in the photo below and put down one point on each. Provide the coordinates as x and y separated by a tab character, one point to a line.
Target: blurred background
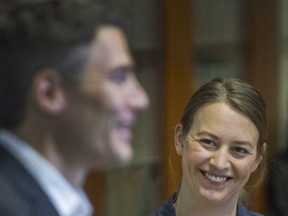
179	45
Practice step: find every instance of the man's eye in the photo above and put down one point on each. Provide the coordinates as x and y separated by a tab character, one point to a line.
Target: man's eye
118	76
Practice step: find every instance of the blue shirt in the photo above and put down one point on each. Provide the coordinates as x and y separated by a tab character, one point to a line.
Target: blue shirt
66	199
168	209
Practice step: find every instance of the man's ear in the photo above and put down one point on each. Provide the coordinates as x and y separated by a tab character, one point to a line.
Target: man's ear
48	91
179	139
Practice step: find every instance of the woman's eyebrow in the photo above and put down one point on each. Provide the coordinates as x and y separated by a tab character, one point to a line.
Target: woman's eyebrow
207	133
213	136
246	143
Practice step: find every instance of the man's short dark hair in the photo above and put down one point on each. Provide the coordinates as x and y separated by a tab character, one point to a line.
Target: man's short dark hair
42	34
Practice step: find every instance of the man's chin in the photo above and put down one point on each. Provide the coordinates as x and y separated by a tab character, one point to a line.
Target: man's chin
123	157
119	159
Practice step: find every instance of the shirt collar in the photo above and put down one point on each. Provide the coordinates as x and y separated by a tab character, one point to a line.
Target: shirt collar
65	198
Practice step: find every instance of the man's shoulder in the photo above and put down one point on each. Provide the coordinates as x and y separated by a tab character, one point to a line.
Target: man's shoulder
10	200
20	193
9	165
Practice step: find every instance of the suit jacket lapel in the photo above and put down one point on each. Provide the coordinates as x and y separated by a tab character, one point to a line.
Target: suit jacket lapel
26	189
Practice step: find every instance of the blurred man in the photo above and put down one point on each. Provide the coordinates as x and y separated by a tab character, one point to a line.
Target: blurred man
68	97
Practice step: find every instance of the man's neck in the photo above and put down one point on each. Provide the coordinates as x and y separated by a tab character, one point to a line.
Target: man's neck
46	145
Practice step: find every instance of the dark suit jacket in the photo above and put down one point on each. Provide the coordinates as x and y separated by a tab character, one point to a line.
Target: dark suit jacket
20	194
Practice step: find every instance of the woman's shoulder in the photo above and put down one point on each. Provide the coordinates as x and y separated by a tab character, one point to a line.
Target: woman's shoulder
167	209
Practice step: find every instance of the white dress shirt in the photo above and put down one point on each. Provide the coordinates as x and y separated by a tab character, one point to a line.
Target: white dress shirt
67	200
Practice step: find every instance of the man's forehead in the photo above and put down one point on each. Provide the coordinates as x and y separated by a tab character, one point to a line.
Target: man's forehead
110	45
111	37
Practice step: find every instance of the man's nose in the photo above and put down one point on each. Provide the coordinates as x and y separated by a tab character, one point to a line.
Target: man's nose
138	98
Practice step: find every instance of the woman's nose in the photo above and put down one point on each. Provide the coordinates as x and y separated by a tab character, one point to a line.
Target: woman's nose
220	159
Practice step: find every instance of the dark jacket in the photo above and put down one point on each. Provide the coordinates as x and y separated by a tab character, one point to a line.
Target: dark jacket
168	209
20	194
278	185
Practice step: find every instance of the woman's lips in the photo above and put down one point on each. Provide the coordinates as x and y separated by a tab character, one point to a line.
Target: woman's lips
215	178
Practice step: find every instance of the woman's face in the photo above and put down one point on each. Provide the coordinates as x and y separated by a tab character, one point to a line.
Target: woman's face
218	154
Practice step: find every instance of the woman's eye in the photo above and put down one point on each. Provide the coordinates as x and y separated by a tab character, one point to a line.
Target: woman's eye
207	143
240	151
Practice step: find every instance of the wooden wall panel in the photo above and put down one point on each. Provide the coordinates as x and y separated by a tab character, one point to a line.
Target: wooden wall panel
178	77
94	187
262	71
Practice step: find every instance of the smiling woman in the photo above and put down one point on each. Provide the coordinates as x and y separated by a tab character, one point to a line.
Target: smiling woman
221	141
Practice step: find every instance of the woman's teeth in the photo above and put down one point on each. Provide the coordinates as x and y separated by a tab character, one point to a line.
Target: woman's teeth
215	178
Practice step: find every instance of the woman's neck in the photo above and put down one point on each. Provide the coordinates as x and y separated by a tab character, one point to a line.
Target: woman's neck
189	206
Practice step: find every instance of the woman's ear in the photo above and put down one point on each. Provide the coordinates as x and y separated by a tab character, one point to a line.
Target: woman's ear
257	162
260	157
179	139
48	91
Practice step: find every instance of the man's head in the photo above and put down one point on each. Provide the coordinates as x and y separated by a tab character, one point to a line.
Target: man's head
67	72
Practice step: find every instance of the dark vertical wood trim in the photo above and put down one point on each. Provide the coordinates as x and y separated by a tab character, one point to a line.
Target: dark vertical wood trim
178	80
94	188
262	50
